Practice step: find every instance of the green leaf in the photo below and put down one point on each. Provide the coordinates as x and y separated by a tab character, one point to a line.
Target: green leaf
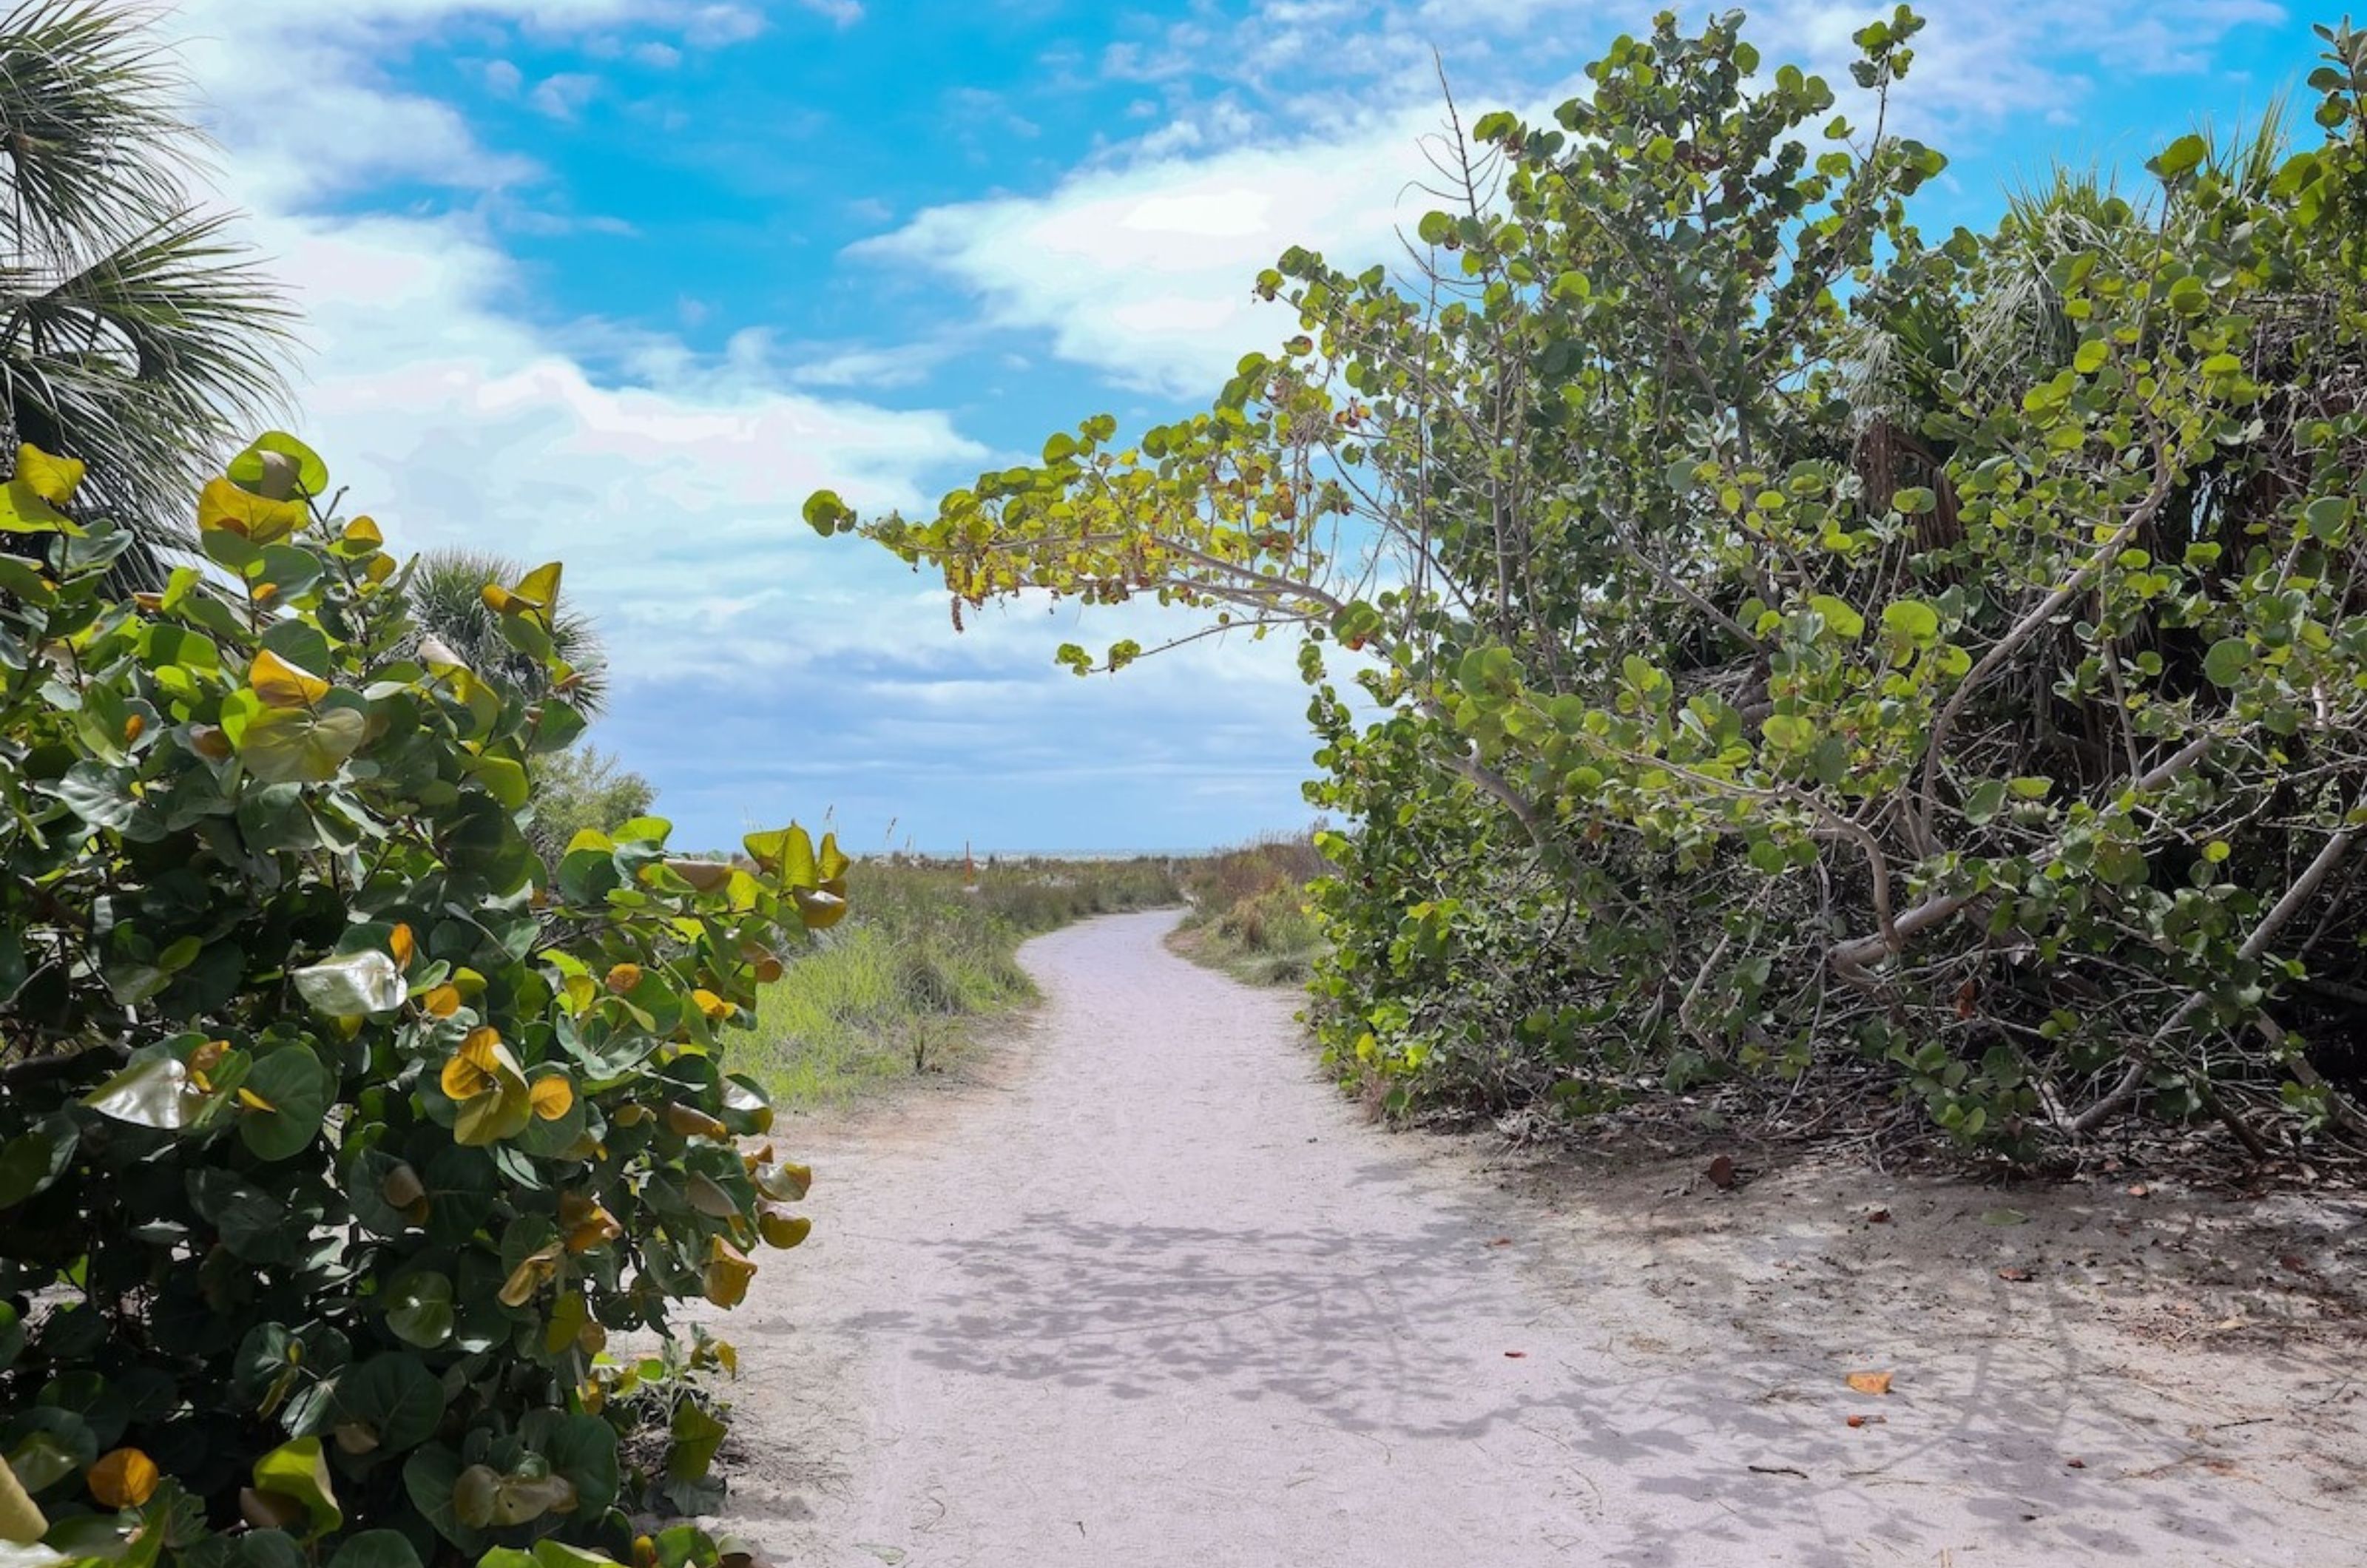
297	1469
30	1161
393	1400
270	1549
301	469
428	1476
826	514
1841	617
254	1224
296	1088
695	1436
419	1308
2227	661
1985	800
2181	157
1785	732
1911	619
296	745
375	1548
2329	518
99	794
353	986
550	1554
2091	357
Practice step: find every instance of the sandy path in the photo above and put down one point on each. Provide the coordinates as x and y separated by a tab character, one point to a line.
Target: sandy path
1161	1297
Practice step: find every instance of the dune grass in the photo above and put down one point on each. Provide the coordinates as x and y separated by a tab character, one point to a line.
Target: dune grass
1249	911
895	991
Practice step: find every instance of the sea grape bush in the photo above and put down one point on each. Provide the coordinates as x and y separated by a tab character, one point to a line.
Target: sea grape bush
337	1133
1800	641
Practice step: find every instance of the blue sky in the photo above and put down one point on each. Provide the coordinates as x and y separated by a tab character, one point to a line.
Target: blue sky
622	281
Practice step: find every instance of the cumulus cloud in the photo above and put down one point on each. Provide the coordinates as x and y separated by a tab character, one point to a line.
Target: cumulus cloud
1142	270
1303	123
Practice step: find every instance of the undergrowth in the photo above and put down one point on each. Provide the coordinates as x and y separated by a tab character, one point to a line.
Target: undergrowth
1250	916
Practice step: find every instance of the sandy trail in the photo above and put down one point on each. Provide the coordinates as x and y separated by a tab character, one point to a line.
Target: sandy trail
1159	1296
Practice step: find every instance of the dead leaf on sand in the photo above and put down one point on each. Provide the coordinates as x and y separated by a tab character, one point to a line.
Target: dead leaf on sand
1721	1173
1870	1383
2019	1276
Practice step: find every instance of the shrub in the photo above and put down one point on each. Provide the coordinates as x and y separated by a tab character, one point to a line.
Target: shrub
1799	644
338	1134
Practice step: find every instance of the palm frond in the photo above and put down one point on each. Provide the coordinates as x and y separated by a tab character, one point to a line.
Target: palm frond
136	332
90	127
445	593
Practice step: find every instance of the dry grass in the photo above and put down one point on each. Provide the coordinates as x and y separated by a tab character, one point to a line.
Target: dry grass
1249	911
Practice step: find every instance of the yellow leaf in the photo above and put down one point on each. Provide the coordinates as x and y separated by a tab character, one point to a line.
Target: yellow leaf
401	945
531	1276
254	1101
441	1001
125	1478
479	1065
587	1224
225	508
208	1056
380	567
22	1523
624	977
1870	1383
364	531
552	1097
727	1271
714	1006
133	727
284	685
783	1229
53	479
689	1121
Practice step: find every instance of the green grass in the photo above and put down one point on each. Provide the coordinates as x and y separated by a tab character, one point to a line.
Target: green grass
1248	912
897	989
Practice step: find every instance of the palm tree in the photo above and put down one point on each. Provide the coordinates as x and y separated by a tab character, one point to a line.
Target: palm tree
446	593
135	332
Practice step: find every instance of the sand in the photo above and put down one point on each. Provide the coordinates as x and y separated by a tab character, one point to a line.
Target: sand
1149	1291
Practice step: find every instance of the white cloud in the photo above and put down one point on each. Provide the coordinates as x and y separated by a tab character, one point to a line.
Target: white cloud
562	96
294	91
674	497
905	364
844	12
1143	270
713	26
1302	126
670	481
